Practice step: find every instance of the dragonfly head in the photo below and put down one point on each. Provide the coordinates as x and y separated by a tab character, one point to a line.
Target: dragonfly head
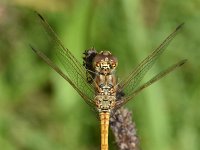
105	63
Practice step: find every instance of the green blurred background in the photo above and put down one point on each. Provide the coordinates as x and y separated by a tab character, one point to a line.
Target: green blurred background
40	111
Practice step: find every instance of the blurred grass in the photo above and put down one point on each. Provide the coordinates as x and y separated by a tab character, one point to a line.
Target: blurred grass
39	110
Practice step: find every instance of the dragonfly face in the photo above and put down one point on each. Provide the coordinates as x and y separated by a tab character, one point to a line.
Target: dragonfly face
105	63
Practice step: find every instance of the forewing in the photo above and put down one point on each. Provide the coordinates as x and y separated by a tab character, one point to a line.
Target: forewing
128	85
73	71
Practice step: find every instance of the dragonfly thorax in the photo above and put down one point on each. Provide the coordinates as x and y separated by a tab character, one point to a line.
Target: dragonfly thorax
105	103
104	64
105	92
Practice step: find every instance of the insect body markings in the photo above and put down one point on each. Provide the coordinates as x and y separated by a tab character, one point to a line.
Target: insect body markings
104	79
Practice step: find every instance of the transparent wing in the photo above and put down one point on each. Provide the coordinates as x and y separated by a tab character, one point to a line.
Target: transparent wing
151	81
73	71
128	85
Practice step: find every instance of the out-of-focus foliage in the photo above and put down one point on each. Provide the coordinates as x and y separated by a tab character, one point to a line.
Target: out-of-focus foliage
40	111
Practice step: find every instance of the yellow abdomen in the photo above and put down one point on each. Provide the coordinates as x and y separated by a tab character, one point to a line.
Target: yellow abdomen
104	118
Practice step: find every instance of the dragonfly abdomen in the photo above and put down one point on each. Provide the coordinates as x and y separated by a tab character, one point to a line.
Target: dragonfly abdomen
104	118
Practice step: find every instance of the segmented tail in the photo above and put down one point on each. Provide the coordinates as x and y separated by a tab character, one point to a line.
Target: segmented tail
104	118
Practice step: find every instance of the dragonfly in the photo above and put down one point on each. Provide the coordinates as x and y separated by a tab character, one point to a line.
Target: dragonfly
96	81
